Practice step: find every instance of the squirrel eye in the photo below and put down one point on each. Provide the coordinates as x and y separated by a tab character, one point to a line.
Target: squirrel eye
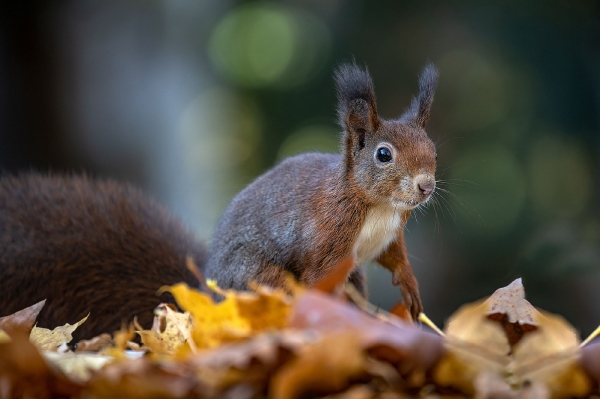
384	155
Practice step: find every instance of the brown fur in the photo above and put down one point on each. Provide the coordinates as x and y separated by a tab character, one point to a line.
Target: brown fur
313	210
87	246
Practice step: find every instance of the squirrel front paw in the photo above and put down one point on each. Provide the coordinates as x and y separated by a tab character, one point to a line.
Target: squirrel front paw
410	293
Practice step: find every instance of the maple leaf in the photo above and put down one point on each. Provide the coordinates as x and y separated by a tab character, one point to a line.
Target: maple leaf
170	331
50	340
237	316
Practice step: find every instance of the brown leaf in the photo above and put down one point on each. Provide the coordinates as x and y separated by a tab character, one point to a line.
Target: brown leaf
24	373
515	314
590	361
140	378
401	311
323	368
249	363
263	348
23	320
405	346
95	344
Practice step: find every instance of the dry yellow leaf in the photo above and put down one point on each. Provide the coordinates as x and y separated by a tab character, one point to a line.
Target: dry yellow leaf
237	316
77	366
4	337
475	344
265	308
469	324
550	355
506	337
177	331
50	340
214	323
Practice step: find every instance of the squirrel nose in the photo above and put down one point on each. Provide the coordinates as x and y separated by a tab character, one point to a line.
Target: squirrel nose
426	186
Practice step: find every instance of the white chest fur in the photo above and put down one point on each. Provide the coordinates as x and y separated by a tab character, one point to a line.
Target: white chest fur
378	231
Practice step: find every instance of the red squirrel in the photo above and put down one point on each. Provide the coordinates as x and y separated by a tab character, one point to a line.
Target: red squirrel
313	210
101	247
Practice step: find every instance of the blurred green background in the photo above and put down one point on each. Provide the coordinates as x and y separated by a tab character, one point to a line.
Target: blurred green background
191	100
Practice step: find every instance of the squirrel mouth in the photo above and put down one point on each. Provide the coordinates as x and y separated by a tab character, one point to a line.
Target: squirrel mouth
405	204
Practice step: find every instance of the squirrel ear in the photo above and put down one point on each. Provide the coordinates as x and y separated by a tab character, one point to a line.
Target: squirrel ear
420	106
357	108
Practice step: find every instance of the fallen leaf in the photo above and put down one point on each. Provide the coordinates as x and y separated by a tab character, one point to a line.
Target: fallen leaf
262	348
401	311
250	362
409	349
550	355
544	353
25	374
264	308
170	331
4	337
474	344
50	340
23	320
323	368
214	323
590	361
78	366
95	344
237	316
515	314
141	378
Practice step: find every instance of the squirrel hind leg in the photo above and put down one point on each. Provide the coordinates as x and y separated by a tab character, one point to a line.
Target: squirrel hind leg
272	275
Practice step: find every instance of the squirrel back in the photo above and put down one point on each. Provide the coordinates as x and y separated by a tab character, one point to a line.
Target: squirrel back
88	246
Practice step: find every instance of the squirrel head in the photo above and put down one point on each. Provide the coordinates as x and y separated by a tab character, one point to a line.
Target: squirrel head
389	161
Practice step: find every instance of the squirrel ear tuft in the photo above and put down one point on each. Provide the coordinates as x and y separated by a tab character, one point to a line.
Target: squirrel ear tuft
357	108
420	106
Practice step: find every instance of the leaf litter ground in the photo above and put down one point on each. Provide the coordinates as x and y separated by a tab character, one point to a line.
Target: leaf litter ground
303	343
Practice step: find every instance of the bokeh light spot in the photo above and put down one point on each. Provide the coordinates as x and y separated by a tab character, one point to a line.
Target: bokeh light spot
482	91
560	177
490	187
321	138
264	44
221	129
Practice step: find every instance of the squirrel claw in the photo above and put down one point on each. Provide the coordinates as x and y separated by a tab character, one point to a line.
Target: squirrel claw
412	299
